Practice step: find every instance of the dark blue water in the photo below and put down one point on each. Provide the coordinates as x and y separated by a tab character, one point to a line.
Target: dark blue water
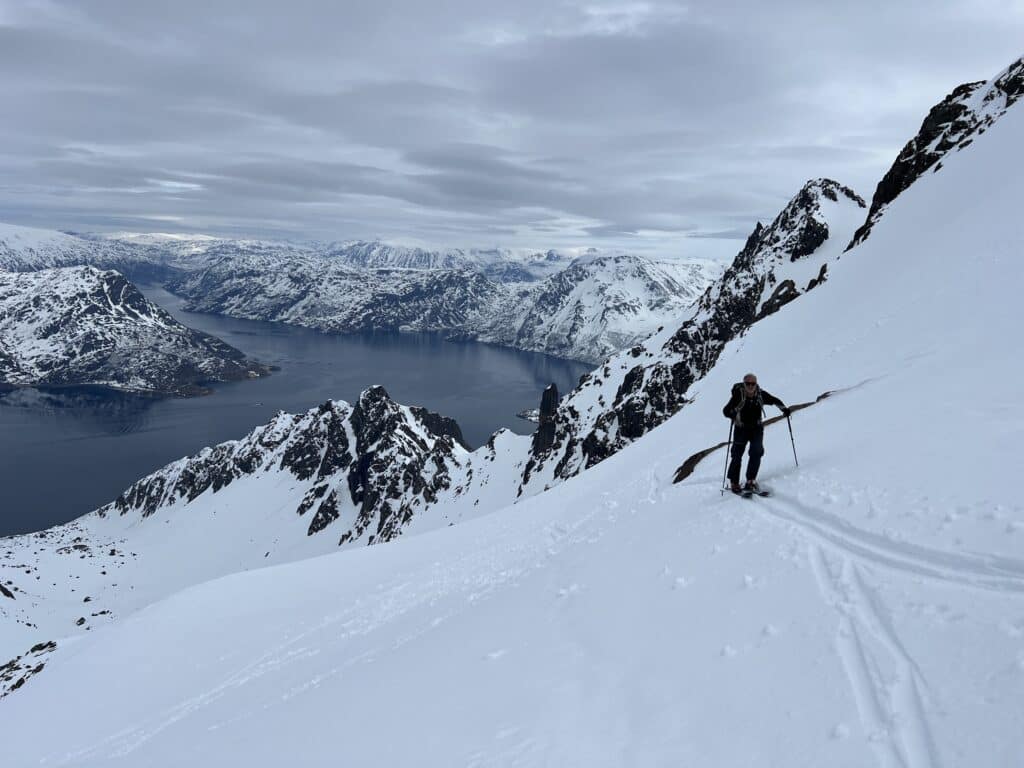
64	453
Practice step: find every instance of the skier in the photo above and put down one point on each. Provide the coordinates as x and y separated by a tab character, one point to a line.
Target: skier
746	409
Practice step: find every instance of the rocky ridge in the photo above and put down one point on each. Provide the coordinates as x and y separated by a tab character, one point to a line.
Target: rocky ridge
951	125
372	464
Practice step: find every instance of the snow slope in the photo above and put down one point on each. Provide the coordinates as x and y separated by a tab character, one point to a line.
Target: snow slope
871	613
80	325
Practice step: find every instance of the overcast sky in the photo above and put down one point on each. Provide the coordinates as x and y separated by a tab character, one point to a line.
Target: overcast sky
661	127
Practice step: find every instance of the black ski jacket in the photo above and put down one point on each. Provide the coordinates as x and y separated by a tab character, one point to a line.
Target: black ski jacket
750	408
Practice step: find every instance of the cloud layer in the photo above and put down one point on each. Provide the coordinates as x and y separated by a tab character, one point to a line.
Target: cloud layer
650	126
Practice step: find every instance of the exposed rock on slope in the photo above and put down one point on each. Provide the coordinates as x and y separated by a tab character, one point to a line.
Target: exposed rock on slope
951	125
371	465
79	325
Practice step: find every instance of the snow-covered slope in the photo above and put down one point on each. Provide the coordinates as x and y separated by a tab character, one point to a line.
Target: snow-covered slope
871	613
25	249
80	325
593	308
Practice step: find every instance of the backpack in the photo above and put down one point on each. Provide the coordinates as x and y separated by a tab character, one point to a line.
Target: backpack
738	387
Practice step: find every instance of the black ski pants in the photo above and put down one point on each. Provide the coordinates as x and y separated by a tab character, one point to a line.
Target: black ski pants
741	437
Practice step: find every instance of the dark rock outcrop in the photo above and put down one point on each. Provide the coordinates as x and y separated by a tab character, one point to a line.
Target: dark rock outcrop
950	125
377	459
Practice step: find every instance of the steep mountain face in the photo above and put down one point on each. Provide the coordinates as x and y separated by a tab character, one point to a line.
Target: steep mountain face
950	126
638	389
80	325
372	465
596	306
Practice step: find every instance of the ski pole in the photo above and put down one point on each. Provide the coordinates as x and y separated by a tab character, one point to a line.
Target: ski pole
728	445
791	441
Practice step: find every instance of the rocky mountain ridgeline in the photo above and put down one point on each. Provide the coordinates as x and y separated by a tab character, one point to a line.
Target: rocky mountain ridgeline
371	465
951	125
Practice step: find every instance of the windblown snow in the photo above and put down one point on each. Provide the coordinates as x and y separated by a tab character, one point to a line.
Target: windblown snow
870	613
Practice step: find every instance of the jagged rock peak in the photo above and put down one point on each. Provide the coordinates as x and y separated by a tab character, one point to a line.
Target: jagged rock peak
801	227
374	463
951	125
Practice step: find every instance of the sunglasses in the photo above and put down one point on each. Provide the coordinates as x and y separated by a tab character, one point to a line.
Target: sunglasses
750	383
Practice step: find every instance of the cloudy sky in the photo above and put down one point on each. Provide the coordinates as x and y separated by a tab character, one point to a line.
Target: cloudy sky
663	127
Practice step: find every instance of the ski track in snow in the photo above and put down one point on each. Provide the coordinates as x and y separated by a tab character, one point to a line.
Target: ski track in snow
889	688
990	572
886	681
362	618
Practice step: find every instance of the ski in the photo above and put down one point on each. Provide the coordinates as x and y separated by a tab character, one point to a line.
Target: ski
748	494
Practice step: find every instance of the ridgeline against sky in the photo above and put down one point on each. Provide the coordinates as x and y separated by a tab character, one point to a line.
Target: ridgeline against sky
534	124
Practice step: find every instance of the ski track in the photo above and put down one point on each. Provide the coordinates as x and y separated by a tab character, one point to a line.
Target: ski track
989	572
889	689
488	572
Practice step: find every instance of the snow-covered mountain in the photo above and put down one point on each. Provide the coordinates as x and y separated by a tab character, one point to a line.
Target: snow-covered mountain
80	325
329	296
582	306
499	264
596	306
592	308
870	613
25	249
372	465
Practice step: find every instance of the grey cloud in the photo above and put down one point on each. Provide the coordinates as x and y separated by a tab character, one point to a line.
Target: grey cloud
643	126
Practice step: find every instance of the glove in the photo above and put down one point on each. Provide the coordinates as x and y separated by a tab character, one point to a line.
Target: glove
737	420
786	410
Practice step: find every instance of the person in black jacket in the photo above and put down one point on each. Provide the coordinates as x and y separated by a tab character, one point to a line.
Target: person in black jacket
746	409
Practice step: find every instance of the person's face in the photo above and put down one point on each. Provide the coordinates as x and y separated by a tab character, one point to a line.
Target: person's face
750	384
